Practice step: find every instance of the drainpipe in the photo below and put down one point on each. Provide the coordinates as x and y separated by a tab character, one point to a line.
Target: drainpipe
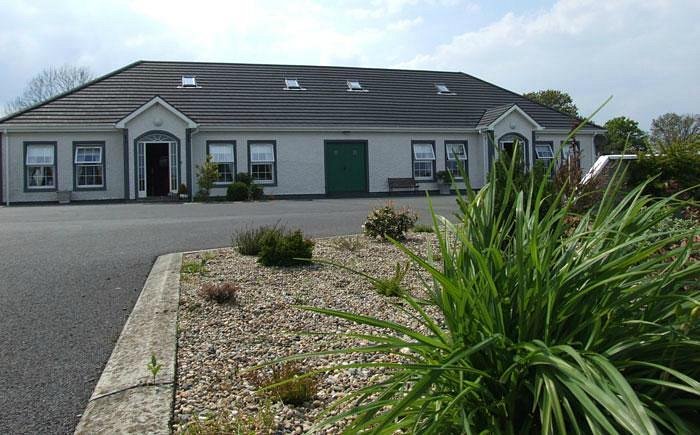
6	160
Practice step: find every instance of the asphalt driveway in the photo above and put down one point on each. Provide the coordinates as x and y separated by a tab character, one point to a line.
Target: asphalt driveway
70	275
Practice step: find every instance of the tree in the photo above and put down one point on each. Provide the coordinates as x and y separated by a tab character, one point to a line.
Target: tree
624	133
672	128
207	174
555	99
48	83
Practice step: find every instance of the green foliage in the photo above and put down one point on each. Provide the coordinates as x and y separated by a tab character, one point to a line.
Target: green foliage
249	240
207	174
287	383
262	422
237	191
350	243
444	177
388	222
422	228
285	248
245	178
196	266
538	326
256	192
671	128
154	367
392	286
555	99
221	292
624	134
676	169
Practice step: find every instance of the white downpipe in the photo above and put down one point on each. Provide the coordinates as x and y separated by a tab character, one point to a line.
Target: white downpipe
6	160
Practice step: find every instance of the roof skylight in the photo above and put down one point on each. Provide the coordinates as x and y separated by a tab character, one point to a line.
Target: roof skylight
189	82
292	84
354	85
442	88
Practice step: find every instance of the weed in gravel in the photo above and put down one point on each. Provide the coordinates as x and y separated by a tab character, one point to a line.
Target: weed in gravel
287	383
422	228
262	422
248	240
350	244
194	267
219	292
392	286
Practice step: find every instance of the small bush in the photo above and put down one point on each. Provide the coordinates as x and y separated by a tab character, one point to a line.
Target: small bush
237	191
421	228
280	249
676	168
350	244
221	292
245	178
256	192
248	241
292	389
387	221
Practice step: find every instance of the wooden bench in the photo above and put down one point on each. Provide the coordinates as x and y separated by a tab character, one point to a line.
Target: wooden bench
402	183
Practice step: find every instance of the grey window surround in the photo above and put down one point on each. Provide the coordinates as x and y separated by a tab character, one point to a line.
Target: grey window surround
466	156
96	144
235	159
413	160
53	188
274	164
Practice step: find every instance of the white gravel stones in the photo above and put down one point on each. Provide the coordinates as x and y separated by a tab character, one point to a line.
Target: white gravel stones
216	342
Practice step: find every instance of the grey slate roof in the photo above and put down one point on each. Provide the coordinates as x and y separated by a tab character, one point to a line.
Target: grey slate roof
494	113
253	95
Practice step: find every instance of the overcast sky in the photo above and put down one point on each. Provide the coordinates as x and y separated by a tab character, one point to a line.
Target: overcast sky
645	52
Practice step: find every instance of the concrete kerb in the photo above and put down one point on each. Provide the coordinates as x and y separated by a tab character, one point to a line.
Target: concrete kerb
126	398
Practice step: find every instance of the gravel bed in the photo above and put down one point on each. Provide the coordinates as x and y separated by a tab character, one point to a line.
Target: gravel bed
217	341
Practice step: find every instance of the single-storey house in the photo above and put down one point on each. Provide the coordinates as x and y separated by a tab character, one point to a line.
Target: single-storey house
141	131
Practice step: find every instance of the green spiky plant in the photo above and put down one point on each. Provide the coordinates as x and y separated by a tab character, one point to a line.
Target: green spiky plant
545	324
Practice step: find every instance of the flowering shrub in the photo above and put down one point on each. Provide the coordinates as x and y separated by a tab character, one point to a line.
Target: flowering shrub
389	222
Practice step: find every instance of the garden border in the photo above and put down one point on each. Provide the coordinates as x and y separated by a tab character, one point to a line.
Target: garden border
126	398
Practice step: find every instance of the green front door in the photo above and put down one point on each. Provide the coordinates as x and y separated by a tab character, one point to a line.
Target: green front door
346	167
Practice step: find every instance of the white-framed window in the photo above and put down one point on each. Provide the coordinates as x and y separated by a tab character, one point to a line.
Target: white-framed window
262	162
456	158
189	82
40	166
544	151
224	155
88	164
423	161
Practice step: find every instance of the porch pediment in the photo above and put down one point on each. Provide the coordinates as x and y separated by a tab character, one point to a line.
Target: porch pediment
156	101
495	115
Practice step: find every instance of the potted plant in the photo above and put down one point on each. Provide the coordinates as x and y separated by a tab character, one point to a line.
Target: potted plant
444	182
182	192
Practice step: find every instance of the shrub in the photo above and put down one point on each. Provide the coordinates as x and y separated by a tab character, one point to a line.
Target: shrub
388	222
237	191
248	241
221	292
256	192
676	168
245	178
207	174
287	383
538	326
285	249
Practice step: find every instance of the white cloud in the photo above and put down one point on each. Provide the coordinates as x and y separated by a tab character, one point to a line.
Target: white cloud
591	49
403	25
